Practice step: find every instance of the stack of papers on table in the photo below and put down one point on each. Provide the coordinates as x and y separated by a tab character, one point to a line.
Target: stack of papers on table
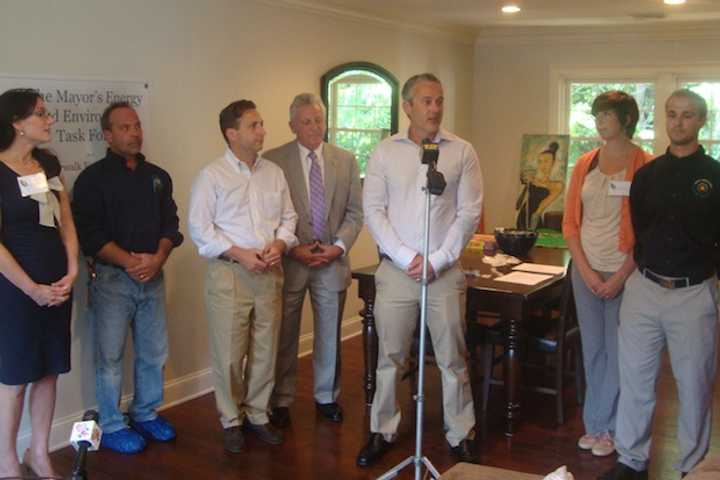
523	278
540	268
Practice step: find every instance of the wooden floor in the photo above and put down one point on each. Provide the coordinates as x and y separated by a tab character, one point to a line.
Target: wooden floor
316	448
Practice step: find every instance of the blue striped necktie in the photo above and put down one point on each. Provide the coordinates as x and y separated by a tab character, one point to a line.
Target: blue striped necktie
317	197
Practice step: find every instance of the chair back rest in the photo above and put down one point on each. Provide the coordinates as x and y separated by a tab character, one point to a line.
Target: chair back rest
567	323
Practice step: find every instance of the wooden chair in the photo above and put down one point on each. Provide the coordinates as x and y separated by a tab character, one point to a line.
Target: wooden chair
487	332
552	332
555	335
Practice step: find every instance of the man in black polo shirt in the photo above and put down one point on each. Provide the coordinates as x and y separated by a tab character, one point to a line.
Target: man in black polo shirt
671	297
127	224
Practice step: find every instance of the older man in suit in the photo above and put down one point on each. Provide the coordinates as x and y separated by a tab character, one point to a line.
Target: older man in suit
325	188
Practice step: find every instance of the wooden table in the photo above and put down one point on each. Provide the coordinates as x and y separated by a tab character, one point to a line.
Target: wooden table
510	300
467	471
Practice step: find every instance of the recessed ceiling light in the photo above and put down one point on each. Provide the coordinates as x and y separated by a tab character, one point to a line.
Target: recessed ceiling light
674	2
510	8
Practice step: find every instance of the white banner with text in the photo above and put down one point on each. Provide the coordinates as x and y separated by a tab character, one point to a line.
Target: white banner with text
77	106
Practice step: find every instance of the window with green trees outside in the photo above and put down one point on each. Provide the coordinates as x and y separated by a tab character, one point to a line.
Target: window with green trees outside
362	108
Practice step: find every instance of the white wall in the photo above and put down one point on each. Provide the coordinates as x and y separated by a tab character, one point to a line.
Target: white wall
197	57
514	93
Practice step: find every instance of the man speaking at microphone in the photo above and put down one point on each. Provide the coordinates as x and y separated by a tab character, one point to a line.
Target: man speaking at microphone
394	206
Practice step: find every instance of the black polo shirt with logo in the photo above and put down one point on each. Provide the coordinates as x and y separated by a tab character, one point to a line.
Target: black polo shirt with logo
675	206
133	208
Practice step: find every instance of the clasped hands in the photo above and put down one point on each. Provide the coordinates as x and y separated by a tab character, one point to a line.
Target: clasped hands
145	266
605	289
54	294
415	269
315	254
256	260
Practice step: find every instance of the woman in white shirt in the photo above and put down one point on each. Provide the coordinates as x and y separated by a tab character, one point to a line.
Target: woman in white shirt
598	230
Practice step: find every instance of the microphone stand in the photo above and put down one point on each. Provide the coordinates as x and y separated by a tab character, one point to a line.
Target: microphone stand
435	186
78	471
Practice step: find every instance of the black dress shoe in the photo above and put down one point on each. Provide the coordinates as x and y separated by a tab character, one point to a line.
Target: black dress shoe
375	448
622	472
233	439
280	417
465	451
331	411
264	432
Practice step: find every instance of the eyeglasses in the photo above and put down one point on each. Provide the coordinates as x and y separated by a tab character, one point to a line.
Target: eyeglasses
44	114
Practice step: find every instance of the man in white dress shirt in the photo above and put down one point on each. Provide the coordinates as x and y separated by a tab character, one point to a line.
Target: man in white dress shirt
242	220
394	207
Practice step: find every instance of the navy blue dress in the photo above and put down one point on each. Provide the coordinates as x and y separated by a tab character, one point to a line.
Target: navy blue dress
34	340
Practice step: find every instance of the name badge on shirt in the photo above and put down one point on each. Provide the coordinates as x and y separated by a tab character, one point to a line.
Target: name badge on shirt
619	188
32	184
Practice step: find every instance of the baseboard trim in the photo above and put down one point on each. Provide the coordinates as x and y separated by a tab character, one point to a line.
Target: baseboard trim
176	391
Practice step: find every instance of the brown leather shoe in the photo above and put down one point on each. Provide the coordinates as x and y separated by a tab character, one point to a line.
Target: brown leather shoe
280	417
264	432
233	439
375	448
331	411
465	451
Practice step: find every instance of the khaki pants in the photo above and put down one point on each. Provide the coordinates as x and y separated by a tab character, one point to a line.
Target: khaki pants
397	309
684	319
243	312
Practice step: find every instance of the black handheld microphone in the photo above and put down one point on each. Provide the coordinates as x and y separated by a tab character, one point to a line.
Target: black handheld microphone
431	153
435	180
86	436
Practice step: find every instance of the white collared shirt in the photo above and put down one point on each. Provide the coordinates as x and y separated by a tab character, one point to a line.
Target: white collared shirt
230	204
394	200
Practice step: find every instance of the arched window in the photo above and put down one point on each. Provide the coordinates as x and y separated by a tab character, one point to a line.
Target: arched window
362	104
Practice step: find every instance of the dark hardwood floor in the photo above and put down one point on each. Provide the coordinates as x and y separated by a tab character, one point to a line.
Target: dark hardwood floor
316	448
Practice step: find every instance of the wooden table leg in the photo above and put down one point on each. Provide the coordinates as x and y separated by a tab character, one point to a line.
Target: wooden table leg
370	341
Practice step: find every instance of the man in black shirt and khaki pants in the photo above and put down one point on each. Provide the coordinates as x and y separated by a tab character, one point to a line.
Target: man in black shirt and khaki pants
671	297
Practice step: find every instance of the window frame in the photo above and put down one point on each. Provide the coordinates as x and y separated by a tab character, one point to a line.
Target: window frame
666	79
371	68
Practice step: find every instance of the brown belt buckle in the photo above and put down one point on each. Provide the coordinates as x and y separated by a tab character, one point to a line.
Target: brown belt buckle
669	284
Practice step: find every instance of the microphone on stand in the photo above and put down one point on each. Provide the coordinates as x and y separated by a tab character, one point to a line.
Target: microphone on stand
430	155
85	437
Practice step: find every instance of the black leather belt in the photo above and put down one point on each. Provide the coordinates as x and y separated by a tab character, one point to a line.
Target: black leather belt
225	258
671	282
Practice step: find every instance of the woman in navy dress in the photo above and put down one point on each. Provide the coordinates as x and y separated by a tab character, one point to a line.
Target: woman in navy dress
38	265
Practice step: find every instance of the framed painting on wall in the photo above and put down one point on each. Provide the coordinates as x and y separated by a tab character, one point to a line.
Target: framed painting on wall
543	167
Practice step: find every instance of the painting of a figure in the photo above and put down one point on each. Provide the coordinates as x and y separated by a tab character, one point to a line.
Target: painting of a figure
542	179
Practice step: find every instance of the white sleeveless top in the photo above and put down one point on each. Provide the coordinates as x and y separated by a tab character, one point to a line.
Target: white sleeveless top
600	228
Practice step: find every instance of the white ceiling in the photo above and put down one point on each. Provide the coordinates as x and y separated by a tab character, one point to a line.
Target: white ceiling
475	15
